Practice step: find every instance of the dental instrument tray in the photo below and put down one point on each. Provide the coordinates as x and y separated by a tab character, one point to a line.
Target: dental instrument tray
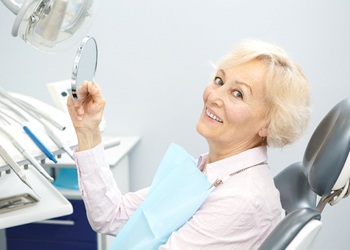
52	120
15	202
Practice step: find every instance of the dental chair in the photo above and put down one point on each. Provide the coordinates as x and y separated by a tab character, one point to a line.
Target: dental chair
307	187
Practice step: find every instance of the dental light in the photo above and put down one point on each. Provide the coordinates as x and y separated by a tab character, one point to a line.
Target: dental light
52	25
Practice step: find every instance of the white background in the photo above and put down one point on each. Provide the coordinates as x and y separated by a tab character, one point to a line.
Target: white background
155	58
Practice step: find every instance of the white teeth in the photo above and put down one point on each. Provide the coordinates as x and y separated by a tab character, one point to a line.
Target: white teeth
212	116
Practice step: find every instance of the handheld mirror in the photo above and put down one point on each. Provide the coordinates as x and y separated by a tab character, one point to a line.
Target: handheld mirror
85	64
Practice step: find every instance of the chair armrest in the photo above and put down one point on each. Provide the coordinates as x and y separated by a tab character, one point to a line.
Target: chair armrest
288	228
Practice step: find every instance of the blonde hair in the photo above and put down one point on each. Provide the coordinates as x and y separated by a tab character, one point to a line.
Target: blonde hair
287	91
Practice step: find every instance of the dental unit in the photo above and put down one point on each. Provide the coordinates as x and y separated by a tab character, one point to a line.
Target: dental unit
52	27
20	159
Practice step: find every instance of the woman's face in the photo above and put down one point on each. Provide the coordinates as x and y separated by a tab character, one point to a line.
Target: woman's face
234	112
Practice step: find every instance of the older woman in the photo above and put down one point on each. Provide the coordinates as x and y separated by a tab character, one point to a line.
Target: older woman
257	98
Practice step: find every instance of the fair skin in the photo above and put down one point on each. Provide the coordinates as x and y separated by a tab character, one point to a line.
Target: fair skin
234	114
86	114
235	98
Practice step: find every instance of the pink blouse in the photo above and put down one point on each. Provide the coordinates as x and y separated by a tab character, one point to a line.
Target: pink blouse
238	214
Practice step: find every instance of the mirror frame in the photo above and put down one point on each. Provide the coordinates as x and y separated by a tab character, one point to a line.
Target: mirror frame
75	72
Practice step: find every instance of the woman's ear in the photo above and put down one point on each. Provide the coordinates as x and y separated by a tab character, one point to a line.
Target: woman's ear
264	130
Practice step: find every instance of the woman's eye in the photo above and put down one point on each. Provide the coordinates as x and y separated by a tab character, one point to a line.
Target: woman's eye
218	81
238	94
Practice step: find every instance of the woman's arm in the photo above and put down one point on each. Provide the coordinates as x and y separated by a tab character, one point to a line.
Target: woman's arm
107	209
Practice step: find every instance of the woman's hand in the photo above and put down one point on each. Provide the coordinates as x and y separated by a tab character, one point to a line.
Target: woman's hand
86	114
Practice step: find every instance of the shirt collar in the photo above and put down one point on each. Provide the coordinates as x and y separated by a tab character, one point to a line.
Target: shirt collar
219	169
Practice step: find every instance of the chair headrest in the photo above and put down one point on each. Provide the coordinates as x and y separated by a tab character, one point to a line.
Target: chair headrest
326	158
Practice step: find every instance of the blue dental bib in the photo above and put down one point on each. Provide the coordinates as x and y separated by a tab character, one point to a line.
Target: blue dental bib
178	189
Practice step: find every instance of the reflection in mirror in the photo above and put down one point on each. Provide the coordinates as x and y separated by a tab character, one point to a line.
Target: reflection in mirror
85	64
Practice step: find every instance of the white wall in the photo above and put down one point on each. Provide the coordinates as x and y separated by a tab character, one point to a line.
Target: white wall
155	60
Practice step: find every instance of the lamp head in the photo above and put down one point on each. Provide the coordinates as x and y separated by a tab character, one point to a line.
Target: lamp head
54	25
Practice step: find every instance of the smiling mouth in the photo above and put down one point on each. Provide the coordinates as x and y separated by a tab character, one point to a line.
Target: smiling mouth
212	116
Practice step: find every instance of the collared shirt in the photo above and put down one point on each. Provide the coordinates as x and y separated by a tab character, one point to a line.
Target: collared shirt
238	214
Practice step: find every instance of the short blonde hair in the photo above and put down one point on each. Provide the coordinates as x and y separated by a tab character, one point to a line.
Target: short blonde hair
287	90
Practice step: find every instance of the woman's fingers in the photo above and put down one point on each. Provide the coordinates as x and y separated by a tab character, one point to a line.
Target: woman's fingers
89	105
75	111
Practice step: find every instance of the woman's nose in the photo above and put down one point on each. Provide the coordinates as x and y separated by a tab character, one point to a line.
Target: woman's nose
217	97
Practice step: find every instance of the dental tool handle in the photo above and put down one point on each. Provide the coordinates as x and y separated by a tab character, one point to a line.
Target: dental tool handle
38	112
14	166
32	160
42	147
37	165
59	143
69	151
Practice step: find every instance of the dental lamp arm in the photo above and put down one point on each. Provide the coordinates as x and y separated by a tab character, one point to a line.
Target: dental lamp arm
13	6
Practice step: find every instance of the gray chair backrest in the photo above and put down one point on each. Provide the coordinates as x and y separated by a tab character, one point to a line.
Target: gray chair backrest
328	150
323	169
323	162
294	188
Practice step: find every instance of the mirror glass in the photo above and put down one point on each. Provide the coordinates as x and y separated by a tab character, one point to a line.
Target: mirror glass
85	64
